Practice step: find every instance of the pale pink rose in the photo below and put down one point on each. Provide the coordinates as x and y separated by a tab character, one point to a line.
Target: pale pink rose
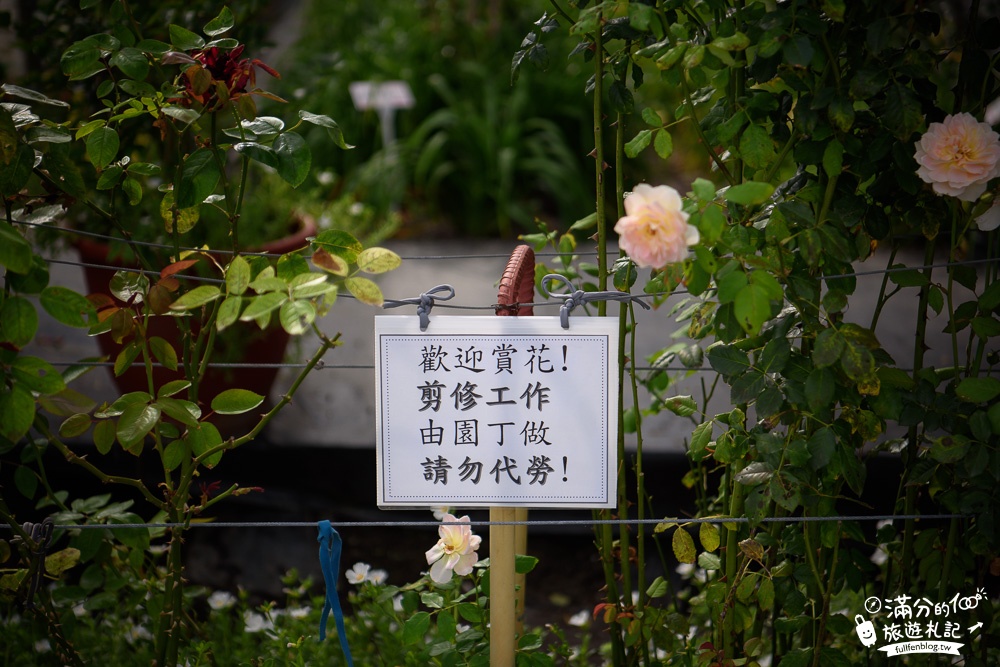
454	551
958	156
990	220
654	230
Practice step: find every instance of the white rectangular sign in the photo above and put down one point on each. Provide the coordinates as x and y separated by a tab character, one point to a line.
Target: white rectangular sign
496	411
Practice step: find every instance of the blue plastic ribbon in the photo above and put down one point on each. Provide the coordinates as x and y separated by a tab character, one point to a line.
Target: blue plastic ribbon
329	560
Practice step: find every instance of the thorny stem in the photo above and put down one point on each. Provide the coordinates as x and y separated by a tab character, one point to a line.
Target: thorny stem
732	558
624	538
821	635
605	535
882	299
910	452
639	477
233	443
103	477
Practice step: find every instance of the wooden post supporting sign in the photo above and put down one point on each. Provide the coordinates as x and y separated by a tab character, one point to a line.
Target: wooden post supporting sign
507	588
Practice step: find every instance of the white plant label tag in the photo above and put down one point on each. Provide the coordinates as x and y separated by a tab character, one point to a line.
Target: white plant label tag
496	412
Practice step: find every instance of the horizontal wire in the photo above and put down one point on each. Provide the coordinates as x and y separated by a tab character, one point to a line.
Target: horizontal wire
529	522
970	262
334	367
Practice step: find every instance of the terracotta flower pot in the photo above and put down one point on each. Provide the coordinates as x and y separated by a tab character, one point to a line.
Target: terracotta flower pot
244	342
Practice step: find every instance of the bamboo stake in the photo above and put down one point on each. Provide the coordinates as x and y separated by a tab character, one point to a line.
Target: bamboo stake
503	632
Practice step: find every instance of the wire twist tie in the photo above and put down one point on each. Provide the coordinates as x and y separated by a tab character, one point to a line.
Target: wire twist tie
579	297
424	302
40	534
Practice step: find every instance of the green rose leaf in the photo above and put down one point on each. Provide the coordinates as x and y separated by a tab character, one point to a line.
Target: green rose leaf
187	218
238	275
683	546
132	190
708	535
330	262
164	352
294	158
524	564
296	316
220	24
17	412
258	152
173	387
822	445
204	438
754	473
663	144
752	308
62	560
37	375
978	389
700	437
798	51
135	423
229	312
132	62
841	113
102	146
306	285
331	127
185	412
364	291
990	298
81	60
829	346
378	260
339	243
638	143
28	94
757	147
183	39
820	387
750	193
173	455
104	436
262	305
127	357
833	158
75	425
236	401
196	298
902	111
200	175
18	321
728	360
657	589
182	114
730	284
415	628
66	306
15	251
15	174
857	361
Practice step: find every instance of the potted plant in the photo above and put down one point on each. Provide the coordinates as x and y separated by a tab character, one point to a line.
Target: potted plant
199	96
177	100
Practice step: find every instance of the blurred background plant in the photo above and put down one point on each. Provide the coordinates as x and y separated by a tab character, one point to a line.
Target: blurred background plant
481	157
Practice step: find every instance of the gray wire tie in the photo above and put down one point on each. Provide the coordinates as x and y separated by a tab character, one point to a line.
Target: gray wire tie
424	302
579	297
40	534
